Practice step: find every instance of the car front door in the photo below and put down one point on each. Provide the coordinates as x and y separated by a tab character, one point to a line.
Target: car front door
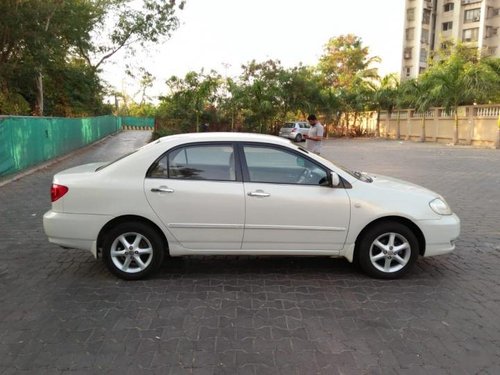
289	203
198	194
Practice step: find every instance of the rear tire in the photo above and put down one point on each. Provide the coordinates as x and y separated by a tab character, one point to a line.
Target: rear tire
298	138
388	250
133	250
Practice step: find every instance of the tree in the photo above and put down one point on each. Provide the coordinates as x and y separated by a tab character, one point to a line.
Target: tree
74	89
190	98
35	36
461	79
344	59
124	24
329	105
403	100
261	93
494	64
385	96
39	37
231	102
300	91
347	68
420	97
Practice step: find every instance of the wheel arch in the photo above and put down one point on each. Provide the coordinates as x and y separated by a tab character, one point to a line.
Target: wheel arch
127	218
398	219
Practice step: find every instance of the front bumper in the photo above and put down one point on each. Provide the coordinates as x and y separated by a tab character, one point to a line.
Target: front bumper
440	235
77	231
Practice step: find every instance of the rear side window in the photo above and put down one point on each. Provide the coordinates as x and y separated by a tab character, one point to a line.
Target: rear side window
203	162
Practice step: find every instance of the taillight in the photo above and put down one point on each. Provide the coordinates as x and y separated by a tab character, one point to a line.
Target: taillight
294	130
57	191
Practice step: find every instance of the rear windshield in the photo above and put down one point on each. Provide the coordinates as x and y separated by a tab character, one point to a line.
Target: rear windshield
289	125
114	161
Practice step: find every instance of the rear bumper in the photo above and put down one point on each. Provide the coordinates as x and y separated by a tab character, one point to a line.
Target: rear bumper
77	231
440	235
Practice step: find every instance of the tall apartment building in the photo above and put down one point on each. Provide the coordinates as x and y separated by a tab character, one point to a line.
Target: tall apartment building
430	23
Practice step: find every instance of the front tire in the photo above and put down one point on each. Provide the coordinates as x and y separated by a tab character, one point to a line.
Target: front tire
388	250
133	250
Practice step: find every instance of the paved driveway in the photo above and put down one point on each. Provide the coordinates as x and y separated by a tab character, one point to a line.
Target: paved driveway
62	312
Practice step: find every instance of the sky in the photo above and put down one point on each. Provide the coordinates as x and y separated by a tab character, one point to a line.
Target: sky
224	34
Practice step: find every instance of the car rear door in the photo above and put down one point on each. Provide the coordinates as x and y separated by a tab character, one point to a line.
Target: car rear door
197	192
289	205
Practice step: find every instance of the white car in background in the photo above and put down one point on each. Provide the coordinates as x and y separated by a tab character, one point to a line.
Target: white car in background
237	194
295	130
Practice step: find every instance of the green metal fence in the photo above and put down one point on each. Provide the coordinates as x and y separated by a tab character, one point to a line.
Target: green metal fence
27	141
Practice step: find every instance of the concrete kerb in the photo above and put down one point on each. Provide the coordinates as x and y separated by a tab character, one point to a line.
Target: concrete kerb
8	179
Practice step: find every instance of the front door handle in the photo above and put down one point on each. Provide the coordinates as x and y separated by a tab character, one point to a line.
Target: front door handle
259	193
162	189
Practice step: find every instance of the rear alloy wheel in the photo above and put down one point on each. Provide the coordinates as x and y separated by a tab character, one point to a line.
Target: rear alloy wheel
298	138
133	250
388	250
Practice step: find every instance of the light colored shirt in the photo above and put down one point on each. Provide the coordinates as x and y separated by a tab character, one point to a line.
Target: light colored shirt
314	131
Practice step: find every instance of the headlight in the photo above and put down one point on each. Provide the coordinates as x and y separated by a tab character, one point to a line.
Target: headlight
440	207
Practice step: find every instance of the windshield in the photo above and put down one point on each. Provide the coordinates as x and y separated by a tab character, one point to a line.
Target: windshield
114	161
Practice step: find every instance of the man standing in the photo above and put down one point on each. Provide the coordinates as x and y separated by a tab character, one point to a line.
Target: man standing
314	136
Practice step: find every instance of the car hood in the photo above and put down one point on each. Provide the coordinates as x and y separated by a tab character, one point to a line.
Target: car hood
390	183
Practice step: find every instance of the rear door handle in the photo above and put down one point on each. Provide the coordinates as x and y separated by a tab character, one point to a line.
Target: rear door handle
259	193
162	189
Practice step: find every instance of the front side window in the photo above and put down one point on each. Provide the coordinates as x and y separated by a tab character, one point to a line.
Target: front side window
198	162
273	165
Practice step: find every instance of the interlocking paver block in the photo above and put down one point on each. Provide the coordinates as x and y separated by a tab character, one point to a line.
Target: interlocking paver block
62	312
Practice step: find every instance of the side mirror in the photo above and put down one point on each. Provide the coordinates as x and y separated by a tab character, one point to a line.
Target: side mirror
335	179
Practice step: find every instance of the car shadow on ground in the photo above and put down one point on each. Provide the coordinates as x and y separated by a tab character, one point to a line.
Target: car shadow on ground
274	267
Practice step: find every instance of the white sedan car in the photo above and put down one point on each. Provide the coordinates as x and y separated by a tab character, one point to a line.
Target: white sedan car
243	194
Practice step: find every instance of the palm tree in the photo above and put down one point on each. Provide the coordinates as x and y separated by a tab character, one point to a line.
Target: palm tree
403	100
384	95
459	80
419	95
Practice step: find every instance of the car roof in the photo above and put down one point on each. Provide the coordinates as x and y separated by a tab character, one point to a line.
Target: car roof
222	137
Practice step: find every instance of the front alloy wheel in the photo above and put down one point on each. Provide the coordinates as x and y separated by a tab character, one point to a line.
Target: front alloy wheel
388	250
132	250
